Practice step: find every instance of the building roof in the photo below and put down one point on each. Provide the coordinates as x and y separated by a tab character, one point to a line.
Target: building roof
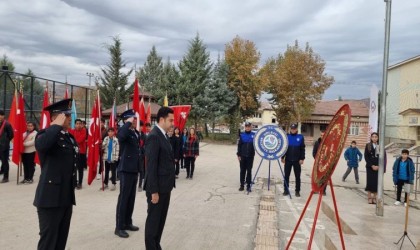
409	110
122	107
404	62
265	106
358	107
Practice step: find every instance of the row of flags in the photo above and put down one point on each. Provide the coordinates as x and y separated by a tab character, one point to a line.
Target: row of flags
18	122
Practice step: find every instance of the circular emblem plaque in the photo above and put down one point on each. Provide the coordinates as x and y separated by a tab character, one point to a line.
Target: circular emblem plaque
271	142
330	149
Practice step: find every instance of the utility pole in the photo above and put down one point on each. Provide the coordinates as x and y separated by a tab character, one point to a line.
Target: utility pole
380	200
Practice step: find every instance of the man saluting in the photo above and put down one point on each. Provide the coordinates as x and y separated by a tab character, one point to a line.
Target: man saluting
54	197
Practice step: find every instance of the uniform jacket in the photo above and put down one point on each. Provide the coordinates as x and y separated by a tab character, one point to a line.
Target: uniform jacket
246	145
410	170
353	156
29	142
296	149
115	149
191	147
160	167
6	136
129	140
59	157
81	137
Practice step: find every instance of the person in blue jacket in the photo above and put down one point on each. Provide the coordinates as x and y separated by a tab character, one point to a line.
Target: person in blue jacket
246	153
353	156
294	157
403	172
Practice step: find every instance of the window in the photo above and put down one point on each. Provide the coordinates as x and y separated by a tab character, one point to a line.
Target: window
323	127
354	130
413	120
418	133
304	128
273	120
257	115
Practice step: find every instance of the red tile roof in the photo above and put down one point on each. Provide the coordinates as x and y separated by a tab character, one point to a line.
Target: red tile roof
358	107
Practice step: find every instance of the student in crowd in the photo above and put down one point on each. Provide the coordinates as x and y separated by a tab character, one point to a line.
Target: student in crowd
177	147
80	134
111	150
191	152
372	165
403	172
184	137
6	135
28	155
353	156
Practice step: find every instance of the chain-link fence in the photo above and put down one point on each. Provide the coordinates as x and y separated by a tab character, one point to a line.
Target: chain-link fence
33	92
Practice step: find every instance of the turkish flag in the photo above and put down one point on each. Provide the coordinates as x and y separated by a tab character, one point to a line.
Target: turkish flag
94	140
142	112
149	113
45	118
181	113
19	127
136	103
113	117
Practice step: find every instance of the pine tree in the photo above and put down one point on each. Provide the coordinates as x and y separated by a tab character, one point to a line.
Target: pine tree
169	84
220	99
195	73
113	80
150	75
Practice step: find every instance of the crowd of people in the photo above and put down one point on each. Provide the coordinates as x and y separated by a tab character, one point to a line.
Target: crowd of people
151	162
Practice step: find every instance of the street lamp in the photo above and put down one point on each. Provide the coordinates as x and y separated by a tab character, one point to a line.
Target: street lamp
90	75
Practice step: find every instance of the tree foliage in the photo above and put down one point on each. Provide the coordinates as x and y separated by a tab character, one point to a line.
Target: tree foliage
242	57
296	80
150	75
113	81
220	99
195	73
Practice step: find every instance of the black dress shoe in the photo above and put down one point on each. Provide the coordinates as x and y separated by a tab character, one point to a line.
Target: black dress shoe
285	193
132	228
121	233
5	180
241	188
297	194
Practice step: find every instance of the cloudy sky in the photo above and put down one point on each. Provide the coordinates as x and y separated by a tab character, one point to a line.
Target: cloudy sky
59	39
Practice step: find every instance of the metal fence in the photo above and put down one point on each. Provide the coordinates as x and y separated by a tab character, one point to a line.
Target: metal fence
33	91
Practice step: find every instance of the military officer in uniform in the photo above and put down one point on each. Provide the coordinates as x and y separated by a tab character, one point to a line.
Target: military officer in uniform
54	197
128	168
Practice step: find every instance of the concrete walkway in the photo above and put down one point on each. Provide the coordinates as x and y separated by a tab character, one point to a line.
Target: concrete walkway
209	212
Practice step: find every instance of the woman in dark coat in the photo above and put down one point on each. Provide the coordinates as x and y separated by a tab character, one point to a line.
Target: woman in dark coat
177	148
372	162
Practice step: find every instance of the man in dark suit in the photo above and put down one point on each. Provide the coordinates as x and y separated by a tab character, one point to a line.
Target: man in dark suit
160	177
128	168
54	197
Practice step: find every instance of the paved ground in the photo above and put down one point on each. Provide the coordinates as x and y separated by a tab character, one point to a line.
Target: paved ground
209	213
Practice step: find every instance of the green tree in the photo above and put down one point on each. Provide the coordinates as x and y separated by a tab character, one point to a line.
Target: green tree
169	84
195	74
242	57
220	99
296	80
113	82
150	75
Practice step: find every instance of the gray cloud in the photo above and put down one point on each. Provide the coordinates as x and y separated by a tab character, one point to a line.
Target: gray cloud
67	38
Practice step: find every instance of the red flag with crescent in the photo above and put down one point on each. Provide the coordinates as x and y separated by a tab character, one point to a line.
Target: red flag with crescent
181	113
94	140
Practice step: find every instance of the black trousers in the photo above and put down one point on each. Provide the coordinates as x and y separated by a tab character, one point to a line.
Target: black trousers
190	165
400	184
28	161
4	157
182	161
81	167
155	221
141	177
54	226
110	166
246	169
177	167
288	169
126	199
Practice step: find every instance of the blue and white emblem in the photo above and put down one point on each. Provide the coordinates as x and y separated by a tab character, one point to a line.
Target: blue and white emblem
271	142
